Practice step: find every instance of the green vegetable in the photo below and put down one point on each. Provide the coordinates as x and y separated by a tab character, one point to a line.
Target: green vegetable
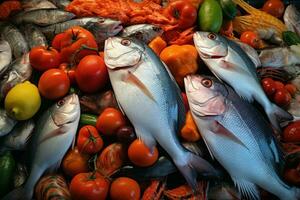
210	16
88	119
7	169
290	38
229	8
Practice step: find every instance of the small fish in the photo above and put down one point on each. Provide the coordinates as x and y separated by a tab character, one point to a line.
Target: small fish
28	5
61	3
53	136
144	32
34	36
15	38
21	174
19	137
291	18
141	82
19	71
5	56
6	123
237	136
231	64
42	17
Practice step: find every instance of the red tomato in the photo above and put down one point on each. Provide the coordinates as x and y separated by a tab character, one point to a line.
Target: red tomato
126	134
54	84
70	71
43	58
291	88
77	43
282	97
292	132
89	186
292	176
91	74
185	102
274	7
268	85
250	38
184	12
109	121
56	42
89	140
279	85
124	188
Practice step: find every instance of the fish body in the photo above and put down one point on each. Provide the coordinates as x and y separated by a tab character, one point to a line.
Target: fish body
42	17
231	64
230	124
6	123
15	38
34	36
61	3
28	5
251	53
19	71
147	92
291	19
53	136
144	32
5	56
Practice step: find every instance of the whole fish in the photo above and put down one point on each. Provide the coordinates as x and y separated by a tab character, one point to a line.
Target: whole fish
5	56
291	18
19	137
28	5
144	32
147	92
6	123
34	36
237	136
19	71
230	63
15	38
61	3
53	136
42	17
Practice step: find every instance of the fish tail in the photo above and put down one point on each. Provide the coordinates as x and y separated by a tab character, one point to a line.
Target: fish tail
277	115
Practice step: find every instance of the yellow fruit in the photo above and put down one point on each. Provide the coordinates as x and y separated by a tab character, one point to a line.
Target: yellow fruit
22	101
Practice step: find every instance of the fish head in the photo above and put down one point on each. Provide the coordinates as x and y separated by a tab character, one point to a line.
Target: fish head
206	95
105	27
210	45
66	110
122	52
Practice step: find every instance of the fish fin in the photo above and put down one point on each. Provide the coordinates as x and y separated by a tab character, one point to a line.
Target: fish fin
247	188
277	115
132	79
146	138
52	134
208	147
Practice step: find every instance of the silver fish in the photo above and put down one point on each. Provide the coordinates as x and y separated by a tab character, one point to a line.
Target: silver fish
237	136
6	123
61	3
231	64
34	36
28	5
142	83
19	137
42	17
19	71
144	32
5	56
53	136
15	38
291	18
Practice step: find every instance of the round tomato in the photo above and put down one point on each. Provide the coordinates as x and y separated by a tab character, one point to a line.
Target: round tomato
89	140
109	121
54	84
75	162
77	43
268	85
140	155
292	132
124	188
70	71
282	97
43	58
56	42
279	85
274	7
291	88
89	186
250	38
183	12
126	134
91	74
292	176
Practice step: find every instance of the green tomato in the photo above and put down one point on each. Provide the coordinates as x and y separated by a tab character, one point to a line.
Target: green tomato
210	16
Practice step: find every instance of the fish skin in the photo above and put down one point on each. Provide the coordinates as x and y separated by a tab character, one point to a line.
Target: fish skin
42	17
240	120
53	136
28	5
251	53
291	18
165	110
231	61
144	32
19	71
15	38
5	56
34	36
61	3
6	123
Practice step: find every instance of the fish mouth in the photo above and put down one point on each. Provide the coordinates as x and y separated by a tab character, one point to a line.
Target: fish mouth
207	56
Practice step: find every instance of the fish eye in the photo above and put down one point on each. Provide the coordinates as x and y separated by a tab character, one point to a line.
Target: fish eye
138	35
206	82
212	36
156	29
61	102
125	42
